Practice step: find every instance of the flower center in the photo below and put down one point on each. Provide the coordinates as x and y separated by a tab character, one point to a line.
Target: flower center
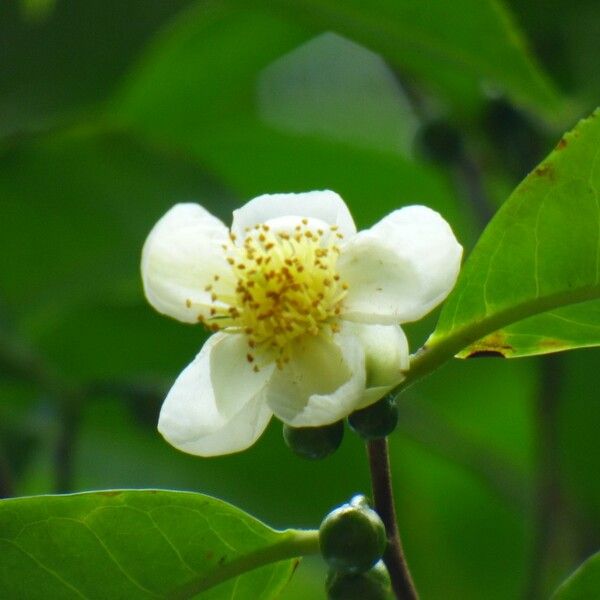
286	286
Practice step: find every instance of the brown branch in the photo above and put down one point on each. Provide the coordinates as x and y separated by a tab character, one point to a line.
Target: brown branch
64	453
6	482
381	480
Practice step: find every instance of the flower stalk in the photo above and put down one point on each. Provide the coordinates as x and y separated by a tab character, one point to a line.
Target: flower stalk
383	497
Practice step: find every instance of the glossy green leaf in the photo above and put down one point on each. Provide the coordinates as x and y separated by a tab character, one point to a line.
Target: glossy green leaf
583	584
540	253
573	326
449	45
141	544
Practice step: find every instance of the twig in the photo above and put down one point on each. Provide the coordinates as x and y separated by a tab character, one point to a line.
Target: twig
469	177
6	482
70	418
381	480
548	496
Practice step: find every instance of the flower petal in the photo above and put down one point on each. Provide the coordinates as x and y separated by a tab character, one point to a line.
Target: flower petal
386	352
322	383
324	205
216	405
180	258
372	395
401	268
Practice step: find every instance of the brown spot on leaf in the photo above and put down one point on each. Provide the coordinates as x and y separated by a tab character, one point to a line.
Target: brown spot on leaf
494	345
562	143
110	493
485	353
545	171
552	345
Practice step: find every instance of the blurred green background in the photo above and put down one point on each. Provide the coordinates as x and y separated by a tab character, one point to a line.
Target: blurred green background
112	111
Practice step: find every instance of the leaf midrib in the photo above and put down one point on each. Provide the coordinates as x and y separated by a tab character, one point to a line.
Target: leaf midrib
438	350
294	543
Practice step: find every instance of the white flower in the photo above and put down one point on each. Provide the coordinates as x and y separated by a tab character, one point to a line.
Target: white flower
305	310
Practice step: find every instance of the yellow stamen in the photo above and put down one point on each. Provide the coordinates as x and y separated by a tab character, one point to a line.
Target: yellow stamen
286	287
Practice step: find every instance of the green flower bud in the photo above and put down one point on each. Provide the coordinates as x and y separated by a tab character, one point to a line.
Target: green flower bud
352	537
375	421
373	584
314	442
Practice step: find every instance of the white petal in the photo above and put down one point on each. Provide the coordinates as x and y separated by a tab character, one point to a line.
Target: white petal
386	352
180	258
322	383
372	395
217	404
288	224
401	268
236	435
324	205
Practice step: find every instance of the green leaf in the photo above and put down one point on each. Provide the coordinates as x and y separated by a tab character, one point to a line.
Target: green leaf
141	544
453	46
540	255
335	88
51	64
252	159
583	584
204	68
85	203
172	98
573	326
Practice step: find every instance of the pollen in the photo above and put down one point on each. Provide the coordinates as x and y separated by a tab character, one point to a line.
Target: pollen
286	287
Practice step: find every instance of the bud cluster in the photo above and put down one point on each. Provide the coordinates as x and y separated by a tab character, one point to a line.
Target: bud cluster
353	539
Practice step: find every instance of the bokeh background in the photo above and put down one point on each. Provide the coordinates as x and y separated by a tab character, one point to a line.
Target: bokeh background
112	111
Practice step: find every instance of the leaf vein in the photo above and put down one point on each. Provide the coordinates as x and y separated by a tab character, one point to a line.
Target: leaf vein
47	569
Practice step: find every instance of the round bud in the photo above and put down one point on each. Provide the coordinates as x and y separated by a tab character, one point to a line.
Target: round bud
314	442
352	537
373	584
375	421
